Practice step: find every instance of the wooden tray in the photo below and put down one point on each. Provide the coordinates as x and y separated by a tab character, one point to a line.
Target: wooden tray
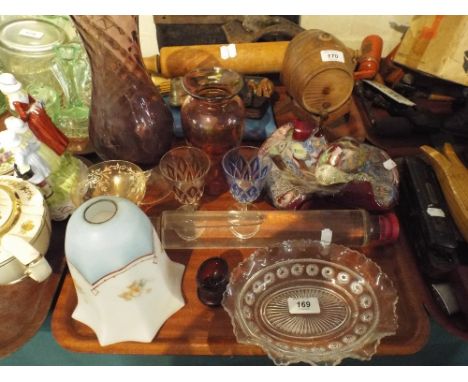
199	330
24	306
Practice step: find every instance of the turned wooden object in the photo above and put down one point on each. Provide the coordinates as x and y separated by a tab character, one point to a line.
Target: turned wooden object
318	72
453	178
249	58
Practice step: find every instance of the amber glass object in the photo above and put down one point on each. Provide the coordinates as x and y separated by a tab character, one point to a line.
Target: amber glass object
213	117
128	118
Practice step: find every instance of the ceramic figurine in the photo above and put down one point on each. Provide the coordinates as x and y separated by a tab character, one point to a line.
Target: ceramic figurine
32	112
41	142
29	165
55	175
127	286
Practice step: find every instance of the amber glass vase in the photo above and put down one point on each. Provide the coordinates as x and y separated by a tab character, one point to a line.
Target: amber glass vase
128	120
213	117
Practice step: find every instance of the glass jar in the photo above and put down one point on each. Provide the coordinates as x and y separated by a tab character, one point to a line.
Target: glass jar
27	50
213	117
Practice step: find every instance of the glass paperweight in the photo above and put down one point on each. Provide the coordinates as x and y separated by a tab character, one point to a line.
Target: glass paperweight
301	301
220	229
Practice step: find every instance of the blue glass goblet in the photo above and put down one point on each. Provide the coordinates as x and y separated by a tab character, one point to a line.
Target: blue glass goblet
246	172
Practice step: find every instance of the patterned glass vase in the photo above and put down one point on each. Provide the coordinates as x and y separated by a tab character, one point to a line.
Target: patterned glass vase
129	119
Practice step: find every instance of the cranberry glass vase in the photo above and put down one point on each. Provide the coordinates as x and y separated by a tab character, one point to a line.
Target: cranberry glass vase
213	117
129	119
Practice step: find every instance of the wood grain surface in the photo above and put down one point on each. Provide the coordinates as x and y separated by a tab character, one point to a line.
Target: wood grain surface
24	306
199	330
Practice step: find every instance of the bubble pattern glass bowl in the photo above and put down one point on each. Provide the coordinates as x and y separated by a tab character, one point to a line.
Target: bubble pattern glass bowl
356	303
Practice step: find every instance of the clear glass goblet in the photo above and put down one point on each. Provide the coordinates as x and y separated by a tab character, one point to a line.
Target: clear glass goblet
246	172
186	168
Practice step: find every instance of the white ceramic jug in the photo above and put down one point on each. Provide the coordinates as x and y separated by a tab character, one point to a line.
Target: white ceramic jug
127	286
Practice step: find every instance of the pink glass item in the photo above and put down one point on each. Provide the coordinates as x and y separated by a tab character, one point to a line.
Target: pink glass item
129	119
213	117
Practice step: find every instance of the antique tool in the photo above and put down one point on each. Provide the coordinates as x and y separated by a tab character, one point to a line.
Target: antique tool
405	117
246	58
260	28
369	61
423	209
453	178
445	297
459	282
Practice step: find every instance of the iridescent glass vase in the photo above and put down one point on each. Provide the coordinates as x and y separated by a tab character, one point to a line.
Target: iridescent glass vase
128	120
213	117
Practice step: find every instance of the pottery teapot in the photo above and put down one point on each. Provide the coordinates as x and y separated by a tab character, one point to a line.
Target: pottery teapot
24	232
126	285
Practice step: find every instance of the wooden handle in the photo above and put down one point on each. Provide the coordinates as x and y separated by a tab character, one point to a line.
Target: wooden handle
453	179
246	58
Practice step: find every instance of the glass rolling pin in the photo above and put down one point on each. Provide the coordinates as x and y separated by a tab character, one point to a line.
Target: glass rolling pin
254	229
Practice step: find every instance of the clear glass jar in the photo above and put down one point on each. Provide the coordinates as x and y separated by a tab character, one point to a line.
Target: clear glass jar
213	117
27	50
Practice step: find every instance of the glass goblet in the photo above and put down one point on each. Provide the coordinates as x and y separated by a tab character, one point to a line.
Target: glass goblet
246	173
186	168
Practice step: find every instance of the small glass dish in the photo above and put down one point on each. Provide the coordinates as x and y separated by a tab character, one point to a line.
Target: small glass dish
112	178
301	301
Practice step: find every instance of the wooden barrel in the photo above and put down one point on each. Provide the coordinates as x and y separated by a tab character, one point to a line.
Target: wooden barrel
318	71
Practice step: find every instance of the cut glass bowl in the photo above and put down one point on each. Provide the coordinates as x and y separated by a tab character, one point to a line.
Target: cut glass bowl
304	302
